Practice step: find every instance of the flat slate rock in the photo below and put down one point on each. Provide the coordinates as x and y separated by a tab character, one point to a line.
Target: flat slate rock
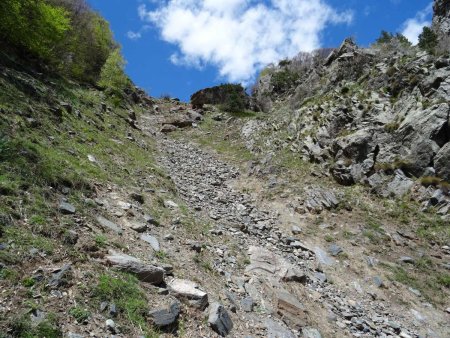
109	225
309	332
163	318
322	257
334	249
66	208
266	263
144	272
152	240
220	320
60	277
189	291
290	309
275	330
247	304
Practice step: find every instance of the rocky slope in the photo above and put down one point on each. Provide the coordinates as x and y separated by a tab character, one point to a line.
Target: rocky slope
325	215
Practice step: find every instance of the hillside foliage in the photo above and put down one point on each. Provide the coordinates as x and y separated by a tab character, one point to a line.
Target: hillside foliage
65	36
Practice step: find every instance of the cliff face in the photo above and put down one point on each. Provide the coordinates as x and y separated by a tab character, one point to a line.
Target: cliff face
377	116
441	19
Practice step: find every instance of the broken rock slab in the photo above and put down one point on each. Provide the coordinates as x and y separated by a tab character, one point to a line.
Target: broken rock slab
163	318
318	199
104	223
189	291
152	240
144	272
276	330
220	320
290	310
266	263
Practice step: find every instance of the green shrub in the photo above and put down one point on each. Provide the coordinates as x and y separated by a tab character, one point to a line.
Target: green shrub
113	75
385	37
79	314
283	80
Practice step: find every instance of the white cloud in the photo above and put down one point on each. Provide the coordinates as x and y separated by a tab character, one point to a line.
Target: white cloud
412	28
134	35
241	36
137	35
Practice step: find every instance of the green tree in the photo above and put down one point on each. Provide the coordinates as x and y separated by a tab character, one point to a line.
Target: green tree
33	26
403	40
428	40
385	37
112	75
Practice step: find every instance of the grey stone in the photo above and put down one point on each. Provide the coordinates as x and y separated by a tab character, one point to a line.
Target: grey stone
61	277
144	272
296	230
291	311
309	332
294	275
318	199
334	249
138	227
151	220
378	281
153	241
188	291
109	225
111	325
163	318
112	310
321	277
408	260
442	162
322	257
74	335
220	320
276	330
103	306
67	208
247	304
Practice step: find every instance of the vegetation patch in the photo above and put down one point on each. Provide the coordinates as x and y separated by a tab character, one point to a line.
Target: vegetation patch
124	291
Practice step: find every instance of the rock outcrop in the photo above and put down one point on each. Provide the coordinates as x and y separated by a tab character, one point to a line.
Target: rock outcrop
441	18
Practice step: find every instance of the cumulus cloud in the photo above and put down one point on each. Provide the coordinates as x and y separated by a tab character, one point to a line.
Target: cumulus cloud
241	36
412	28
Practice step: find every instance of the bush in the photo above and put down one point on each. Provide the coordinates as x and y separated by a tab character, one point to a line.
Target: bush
283	80
428	40
385	37
235	102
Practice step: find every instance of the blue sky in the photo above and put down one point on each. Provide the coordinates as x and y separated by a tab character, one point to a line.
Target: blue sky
177	47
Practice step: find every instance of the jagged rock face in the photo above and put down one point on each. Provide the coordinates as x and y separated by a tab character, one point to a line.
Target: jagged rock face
441	19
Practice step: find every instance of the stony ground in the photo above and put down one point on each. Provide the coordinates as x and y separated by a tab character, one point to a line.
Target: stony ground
191	234
275	277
